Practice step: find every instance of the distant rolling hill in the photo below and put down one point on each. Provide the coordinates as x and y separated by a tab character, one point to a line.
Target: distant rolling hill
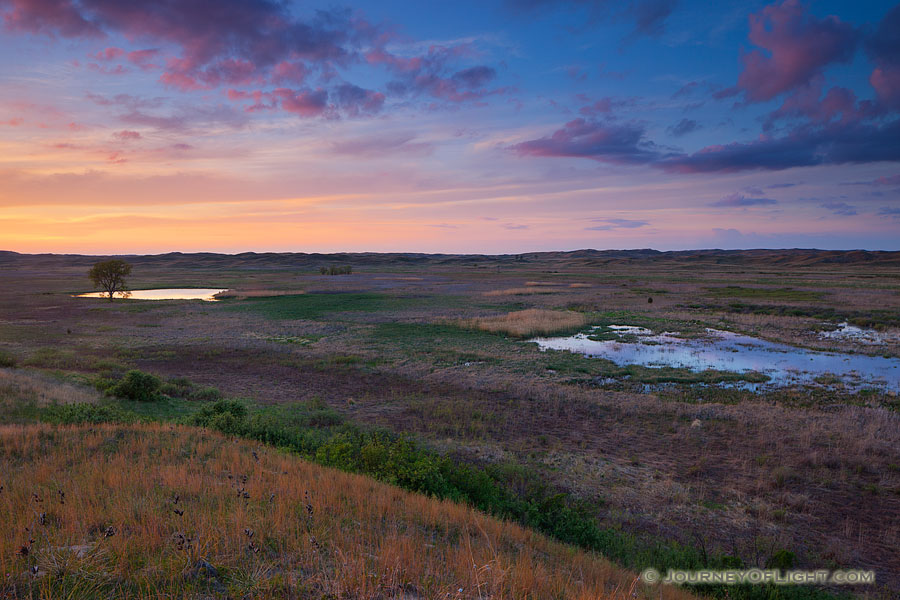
587	258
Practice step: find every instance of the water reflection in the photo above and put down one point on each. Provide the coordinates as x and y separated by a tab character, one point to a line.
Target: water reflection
727	351
206	294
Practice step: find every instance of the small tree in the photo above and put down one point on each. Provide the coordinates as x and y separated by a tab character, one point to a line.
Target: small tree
109	276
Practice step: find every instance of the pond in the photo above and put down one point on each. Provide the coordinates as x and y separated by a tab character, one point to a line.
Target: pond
206	294
726	351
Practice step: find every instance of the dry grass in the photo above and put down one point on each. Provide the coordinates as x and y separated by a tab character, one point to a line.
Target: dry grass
524	323
17	386
131	511
521	291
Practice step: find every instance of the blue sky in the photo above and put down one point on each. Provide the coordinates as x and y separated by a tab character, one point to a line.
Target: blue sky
495	126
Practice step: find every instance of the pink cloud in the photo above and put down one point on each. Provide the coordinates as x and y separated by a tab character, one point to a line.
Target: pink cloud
798	46
14	122
289	72
888	180
126	135
111	53
884	48
839	104
116	70
886	82
305	103
49	17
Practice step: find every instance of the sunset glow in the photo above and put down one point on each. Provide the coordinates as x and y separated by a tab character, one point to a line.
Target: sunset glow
505	126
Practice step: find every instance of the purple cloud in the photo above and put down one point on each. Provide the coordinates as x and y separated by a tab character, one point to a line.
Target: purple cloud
610	224
803	147
684	127
888	180
648	16
840	208
126	136
474	77
884	48
356	101
603	142
221	42
382	145
740	201
433	73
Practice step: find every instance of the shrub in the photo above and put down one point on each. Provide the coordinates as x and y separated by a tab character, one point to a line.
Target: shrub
73	414
206	416
7	359
137	385
783	559
333	270
205	394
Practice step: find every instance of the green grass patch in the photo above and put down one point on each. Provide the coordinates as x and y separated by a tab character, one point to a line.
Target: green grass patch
791	294
315	306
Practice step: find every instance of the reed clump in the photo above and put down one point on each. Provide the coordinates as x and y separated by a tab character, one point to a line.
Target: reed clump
529	322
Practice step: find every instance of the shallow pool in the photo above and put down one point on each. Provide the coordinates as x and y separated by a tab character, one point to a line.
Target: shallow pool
206	294
727	351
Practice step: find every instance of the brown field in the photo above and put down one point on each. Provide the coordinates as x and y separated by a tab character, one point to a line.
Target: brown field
732	471
140	511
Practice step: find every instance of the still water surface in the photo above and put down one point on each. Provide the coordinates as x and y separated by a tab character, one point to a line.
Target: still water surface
162	294
727	351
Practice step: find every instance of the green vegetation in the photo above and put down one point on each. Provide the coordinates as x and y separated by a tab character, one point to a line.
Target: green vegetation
314	306
734	291
74	414
333	270
139	386
875	318
7	359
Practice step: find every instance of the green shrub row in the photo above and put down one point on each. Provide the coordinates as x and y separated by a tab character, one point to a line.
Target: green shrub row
506	491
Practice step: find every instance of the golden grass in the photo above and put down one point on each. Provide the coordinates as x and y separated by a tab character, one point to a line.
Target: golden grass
580	285
95	512
521	291
541	283
524	323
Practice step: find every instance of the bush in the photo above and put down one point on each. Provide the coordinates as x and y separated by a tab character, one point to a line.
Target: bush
783	559
73	414
205	394
333	270
137	385
7	359
208	415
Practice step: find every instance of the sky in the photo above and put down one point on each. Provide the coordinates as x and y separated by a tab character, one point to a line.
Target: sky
497	126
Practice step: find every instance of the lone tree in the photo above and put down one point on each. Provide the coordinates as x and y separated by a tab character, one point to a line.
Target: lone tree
109	275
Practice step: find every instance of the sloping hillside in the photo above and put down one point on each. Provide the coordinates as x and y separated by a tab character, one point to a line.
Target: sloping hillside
168	511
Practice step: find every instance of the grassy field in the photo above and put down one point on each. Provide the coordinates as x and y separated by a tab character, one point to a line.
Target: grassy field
646	466
156	511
